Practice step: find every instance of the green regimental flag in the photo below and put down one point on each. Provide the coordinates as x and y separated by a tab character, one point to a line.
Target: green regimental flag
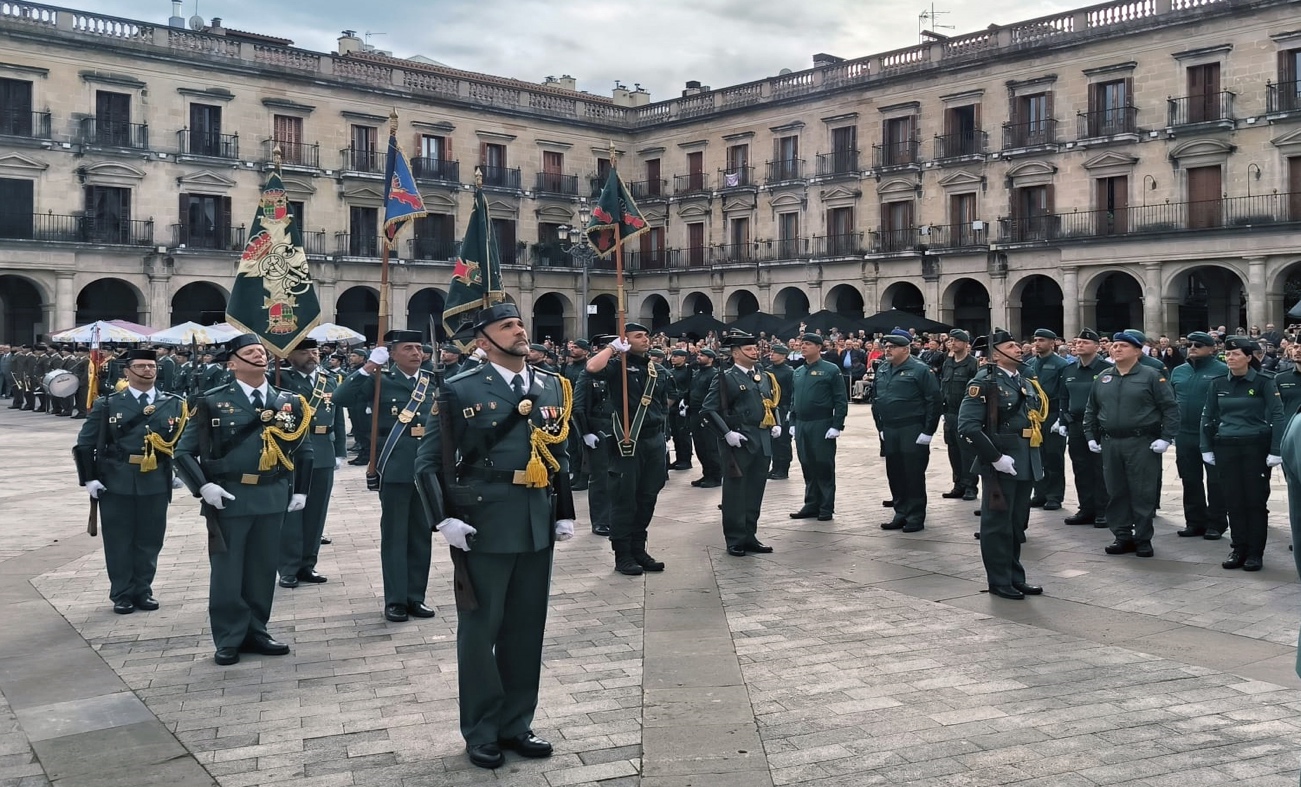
476	274
273	295
614	209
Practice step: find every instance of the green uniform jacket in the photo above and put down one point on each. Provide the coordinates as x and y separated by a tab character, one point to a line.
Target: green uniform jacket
954	377
638	376
682	384
1191	380
510	517
785	377
909	393
1015	401
1142	399
1048	370
394	393
817	393
701	381
167	371
744	411
1289	388
1243	407
329	429
1077	384
120	421
592	405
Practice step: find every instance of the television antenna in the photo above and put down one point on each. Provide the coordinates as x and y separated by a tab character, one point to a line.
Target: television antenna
925	33
368	34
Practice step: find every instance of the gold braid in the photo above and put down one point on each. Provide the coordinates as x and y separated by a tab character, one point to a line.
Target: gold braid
1038	415
536	474
271	450
154	442
770	405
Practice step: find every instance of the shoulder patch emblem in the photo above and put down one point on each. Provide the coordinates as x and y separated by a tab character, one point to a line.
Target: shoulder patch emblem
973	391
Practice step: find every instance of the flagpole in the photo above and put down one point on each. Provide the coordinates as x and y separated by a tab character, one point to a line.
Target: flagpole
372	474
275	157
622	305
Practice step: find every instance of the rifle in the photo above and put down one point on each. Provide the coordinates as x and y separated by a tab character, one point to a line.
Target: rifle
996	501
733	467
216	541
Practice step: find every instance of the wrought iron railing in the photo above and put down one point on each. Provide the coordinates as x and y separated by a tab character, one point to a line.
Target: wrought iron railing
362	160
961	143
649	189
890	241
953	236
349	244
501	177
114	134
74	229
1283	96
693	183
557	183
431	249
193	142
847	244
294	154
838	162
1260	210
1204	108
1032	133
314	243
785	169
1107	122
736	178
22	123
215	238
895	154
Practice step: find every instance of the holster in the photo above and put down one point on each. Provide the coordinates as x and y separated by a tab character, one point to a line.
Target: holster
84	458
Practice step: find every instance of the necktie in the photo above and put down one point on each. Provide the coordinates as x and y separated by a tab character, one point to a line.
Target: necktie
257	399
518	385
144	400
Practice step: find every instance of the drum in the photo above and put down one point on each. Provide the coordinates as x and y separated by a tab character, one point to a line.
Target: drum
60	383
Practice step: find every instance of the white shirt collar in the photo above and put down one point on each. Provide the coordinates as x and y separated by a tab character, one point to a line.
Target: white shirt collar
744	369
509	376
152	393
248	390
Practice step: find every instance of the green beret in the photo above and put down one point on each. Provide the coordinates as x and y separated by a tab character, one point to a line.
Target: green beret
813	338
1201	337
681	353
709	352
896	340
1044	333
959	335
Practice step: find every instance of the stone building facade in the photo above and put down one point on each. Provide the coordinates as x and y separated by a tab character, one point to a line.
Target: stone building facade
1136	163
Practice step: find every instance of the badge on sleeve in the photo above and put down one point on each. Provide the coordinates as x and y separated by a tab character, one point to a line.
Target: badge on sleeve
973	391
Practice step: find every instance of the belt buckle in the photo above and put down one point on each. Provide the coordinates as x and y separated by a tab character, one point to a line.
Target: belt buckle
322	430
1027	432
136	459
249	479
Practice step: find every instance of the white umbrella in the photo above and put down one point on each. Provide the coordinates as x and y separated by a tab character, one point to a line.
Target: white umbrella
98	332
193	333
335	334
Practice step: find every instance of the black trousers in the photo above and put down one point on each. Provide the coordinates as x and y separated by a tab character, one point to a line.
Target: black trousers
707	449
905	471
300	535
1003	532
961	457
680	428
634	486
1087	467
1242	468
781	450
598	484
1203	500
743	497
1053	453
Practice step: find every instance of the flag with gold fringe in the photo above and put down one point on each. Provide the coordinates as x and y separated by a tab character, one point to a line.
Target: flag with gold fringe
476	273
614	209
402	200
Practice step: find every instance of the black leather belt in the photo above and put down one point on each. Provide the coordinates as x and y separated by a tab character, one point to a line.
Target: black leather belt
1142	431
486	474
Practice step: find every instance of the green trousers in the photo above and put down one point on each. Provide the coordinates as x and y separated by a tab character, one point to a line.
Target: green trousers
405	544
743	496
132	527
818	461
300	537
243	580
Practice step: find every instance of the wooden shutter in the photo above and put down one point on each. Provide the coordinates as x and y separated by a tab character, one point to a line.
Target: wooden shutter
184	235
1294	188
224	223
1287	68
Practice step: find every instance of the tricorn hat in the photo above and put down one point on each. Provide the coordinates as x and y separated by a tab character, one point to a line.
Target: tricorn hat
739	339
495	313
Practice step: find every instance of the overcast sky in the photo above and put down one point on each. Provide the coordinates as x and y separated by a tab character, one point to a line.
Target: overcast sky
719	42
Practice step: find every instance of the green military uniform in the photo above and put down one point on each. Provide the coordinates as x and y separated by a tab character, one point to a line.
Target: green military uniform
1288	384
955	376
405	538
167	373
1048	370
81	370
579	454
18	378
703	437
213	375
1003	532
225	445
499	645
1204	509
782	444
1077	383
114	448
1125	414
680	412
36	379
300	536
593	410
906	406
818	403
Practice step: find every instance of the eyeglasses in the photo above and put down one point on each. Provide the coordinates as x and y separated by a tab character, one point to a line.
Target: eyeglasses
1198	345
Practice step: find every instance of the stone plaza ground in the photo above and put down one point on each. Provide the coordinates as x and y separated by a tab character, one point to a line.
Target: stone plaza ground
851	656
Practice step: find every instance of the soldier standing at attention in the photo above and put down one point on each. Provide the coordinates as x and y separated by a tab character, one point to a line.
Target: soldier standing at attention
406	396
706	442
592	414
639	468
506	520
1131	419
781	445
300	537
1047	366
1077	384
579	460
81	370
18	377
1009	448
124	459
679	409
1242	433
36	379
1205	514
957	370
906	409
248	455
818	408
741	409
1288	382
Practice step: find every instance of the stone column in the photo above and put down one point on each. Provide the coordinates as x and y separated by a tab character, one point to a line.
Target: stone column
65	302
158	310
1153	318
1070	302
397	306
1257	303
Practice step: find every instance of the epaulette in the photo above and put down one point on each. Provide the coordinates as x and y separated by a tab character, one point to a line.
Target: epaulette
466	373
545	371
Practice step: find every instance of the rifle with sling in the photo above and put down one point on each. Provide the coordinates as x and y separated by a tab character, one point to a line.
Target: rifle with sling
996	501
216	542
101	444
733	467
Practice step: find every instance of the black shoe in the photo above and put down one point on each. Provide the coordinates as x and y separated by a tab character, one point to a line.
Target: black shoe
396	613
147	603
887	504
1189	532
226	656
737	551
486	755
804	513
894	524
1052	505
778	476
580	486
601	530
1100	520
970	494
758	547
289	582
419	610
624	564
360	461
912	527
710	483
681	466
825	517
1080	518
1212	535
124	607
1028	589
699	481
1038	502
954	493
646	562
1006	591
1236	560
264	645
526	744
976	512
1253	564
326	540
1144	549
1119	547
310	576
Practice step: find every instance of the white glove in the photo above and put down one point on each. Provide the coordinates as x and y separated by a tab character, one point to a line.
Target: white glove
923	439
1059	428
1160	446
338	463
214	495
379	356
564	529
455	533
590	440
95	489
1208	458
620	345
177	483
682	409
1273	460
734	439
831	434
1094	447
1006	464
297	503
479	354
776	431
881	435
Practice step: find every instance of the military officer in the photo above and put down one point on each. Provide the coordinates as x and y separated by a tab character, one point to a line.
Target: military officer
1242	433
1288	382
1205	514
579	351
818	406
502	520
300	537
708	450
406	396
1047	367
593	414
18	377
451	358
249	456
637	453
741	410
782	444
906	409
124	459
1009	449
1077	384
1131	418
81	370
679	409
36	379
957	370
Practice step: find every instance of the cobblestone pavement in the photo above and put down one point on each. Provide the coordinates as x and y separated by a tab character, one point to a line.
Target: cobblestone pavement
851	656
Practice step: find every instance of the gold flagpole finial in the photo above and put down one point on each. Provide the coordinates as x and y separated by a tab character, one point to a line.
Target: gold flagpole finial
478	178
275	156
614	155
393	121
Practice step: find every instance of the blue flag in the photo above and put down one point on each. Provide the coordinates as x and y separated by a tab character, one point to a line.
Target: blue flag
402	201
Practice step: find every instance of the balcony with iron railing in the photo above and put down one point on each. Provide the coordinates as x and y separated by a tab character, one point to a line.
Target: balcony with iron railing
436	169
365	160
1232	213
656	189
556	184
1283	96
212	238
963	235
348	244
637	260
894	240
741	177
506	178
845	244
292	154
693	183
902	153
192	142
746	253
551	255
786	170
314	243
1105	123
431	249
24	123
961	145
54	228
114	134
1215	109
1038	133
838	163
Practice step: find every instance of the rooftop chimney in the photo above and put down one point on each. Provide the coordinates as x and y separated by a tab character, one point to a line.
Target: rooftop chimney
349	42
176	20
215	28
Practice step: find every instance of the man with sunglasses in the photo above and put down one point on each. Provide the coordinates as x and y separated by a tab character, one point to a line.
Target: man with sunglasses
1205	513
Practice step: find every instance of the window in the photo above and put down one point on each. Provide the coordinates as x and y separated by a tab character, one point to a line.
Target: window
364	157
552	177
205	222
1205	194
1109	109
112	119
1032	121
844	151
652	249
1294	188
738	166
738	236
493	159
548	251
1289	88
313	244
16	207
786	158
504	231
696	171
602	175
433	147
962	135
1032	208
1203	94
363	231
1111	198
841	238
15	108
899	141
788	236
287	134
205	131
107	215
696	244
434	237
962	212
897	230
654	181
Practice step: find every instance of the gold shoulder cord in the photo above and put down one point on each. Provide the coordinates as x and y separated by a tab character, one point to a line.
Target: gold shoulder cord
536	474
154	442
272	453
770	405
1038	415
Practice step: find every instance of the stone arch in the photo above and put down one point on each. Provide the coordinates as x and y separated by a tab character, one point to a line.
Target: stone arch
696	303
109	299
358	308
1201	295
1035	301
606	318
904	296
965	304
844	299
1112	300
199	301
421	307
739	304
656	312
21	309
791	303
549	312
1284	292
